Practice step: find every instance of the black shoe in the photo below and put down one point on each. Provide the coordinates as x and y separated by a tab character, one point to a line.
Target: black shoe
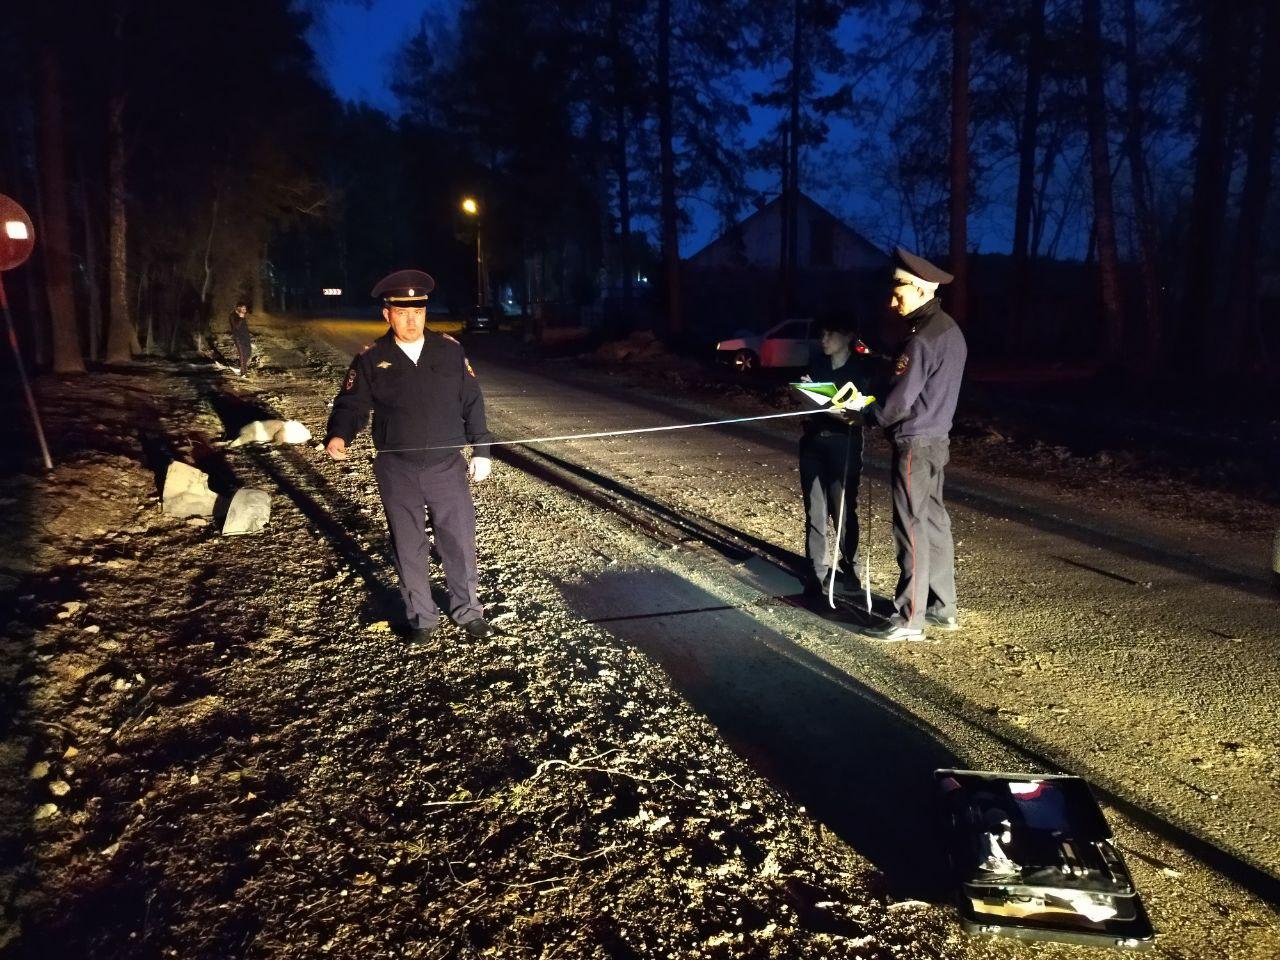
850	578
419	635
479	627
851	584
941	623
812	587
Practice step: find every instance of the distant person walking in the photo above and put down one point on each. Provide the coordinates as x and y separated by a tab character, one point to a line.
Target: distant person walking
239	323
917	413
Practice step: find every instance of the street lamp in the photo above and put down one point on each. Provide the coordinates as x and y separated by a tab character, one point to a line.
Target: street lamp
472	209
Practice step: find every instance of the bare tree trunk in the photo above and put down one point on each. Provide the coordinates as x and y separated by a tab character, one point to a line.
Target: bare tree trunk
670	214
621	85
120	332
1208	198
1242	304
174	311
784	227
146	307
1048	164
22	177
257	292
1104	219
961	37
93	265
793	160
205	318
56	245
1152	325
540	313
1027	173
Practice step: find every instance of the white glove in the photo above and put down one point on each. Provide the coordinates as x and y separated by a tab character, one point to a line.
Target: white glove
479	469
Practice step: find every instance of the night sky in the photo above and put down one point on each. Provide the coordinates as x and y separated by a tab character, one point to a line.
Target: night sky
357	45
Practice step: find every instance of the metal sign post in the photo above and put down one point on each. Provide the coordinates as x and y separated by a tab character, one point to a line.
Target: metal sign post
17	239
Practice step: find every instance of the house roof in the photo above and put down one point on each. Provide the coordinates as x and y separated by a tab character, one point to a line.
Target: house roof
730	235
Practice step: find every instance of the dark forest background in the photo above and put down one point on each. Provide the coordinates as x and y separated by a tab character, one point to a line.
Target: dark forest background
176	156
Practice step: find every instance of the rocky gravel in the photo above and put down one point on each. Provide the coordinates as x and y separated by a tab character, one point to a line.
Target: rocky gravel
220	747
217	747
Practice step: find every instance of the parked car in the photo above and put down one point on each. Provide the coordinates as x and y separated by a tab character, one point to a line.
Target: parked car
482	320
789	344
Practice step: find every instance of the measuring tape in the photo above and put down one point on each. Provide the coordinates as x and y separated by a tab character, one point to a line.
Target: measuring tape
608	433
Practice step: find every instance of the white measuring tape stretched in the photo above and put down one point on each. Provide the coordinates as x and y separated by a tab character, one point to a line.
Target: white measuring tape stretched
609	433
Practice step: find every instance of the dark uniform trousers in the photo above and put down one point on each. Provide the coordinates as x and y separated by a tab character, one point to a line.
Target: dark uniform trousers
922	530
409	493
823	460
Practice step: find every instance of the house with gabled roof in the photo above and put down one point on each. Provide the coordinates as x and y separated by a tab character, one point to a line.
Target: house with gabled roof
734	281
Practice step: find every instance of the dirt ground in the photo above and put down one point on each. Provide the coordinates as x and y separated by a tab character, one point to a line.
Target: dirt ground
217	747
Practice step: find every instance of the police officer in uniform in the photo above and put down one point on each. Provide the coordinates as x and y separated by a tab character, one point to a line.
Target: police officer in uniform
423	393
917	413
831	456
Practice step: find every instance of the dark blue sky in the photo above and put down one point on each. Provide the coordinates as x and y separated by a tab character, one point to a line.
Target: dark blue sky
357	43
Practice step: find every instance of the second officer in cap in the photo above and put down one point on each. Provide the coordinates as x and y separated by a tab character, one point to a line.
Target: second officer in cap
917	414
426	406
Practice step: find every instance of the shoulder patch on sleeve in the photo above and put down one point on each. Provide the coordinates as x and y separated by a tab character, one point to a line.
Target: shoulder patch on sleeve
901	364
349	384
469	368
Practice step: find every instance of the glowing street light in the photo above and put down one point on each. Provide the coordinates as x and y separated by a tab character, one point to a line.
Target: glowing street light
472	209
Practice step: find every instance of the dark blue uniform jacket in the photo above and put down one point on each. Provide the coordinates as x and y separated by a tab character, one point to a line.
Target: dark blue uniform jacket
921	401
433	403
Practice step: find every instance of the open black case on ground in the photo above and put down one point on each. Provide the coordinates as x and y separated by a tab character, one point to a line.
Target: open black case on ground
1034	859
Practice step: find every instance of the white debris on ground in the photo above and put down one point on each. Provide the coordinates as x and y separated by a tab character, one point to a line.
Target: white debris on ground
272	431
186	492
248	512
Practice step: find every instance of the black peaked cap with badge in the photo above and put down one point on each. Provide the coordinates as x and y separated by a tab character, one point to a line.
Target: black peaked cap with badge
920	267
404	288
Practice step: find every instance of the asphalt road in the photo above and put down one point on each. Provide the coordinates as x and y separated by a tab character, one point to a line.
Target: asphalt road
1140	653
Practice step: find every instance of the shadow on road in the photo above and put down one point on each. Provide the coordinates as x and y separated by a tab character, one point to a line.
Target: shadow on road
860	767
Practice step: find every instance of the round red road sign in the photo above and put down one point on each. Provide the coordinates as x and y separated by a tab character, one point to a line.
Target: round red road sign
17	236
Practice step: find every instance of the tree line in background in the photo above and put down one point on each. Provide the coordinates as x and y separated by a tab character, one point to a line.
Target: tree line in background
160	148
1158	122
178	156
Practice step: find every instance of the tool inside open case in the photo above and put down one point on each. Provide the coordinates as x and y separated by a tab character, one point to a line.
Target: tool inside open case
1033	858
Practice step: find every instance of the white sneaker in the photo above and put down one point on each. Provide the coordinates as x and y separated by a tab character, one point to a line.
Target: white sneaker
893	632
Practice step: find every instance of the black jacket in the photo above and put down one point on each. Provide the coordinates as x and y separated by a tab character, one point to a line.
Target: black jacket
434	403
